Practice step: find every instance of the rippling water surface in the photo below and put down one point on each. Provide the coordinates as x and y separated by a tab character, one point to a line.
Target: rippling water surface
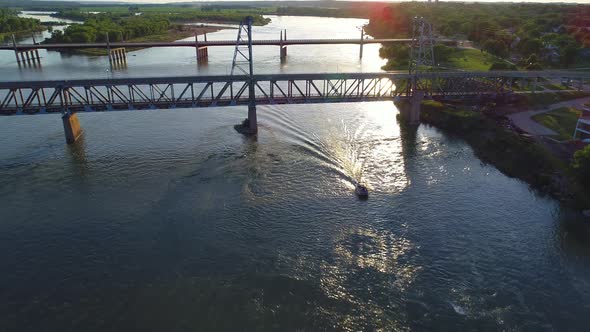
170	221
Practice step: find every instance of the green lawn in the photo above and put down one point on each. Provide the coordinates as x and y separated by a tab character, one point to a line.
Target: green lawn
562	120
459	58
471	59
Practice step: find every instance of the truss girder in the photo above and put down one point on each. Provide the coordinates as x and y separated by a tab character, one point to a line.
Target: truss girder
137	96
205	91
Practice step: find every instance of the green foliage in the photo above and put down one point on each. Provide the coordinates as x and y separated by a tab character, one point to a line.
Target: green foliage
172	14
568	55
11	23
443	53
325	12
581	165
541	29
532	63
398	56
503	66
118	28
496	47
562	121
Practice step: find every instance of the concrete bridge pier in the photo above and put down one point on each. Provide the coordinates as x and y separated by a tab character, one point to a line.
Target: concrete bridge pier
202	52
26	56
361	44
72	127
410	113
283	48
117	55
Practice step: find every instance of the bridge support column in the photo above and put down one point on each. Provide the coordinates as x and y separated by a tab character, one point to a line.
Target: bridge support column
72	127
27	56
283	48
411	113
252	119
117	55
362	39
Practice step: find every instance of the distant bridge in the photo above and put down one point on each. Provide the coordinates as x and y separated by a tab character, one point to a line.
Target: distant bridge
29	53
268	42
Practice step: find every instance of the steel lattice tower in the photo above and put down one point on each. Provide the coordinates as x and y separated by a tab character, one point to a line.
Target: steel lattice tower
242	58
421	52
242	61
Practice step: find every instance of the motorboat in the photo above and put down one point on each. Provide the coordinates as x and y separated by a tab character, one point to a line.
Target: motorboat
361	191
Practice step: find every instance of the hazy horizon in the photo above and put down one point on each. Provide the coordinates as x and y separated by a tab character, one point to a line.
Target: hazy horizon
393	1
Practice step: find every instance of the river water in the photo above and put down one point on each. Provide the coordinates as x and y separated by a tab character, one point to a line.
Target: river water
170	220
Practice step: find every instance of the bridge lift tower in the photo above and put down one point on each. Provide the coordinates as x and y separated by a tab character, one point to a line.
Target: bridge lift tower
421	52
242	64
421	59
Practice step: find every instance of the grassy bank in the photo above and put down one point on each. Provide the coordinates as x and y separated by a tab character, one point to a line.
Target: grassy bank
448	58
6	36
514	155
541	100
471	59
562	120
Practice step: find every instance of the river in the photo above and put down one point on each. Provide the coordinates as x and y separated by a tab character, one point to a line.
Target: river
170	220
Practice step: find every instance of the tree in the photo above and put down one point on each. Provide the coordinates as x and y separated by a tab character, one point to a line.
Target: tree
568	55
530	46
532	63
581	165
496	47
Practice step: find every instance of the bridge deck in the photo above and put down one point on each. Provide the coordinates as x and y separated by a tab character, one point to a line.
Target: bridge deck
269	42
38	97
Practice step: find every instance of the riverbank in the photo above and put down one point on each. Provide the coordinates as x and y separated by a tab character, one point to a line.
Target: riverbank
6	36
177	32
515	154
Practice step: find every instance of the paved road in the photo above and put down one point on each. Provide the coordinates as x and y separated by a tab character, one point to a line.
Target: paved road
524	121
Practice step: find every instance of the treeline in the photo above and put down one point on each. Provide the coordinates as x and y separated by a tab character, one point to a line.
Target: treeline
325	12
11	23
179	15
551	34
118	28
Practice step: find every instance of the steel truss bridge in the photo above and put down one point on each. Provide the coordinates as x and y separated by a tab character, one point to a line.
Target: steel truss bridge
70	96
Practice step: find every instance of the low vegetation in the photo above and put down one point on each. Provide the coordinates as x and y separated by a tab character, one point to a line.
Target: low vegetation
562	120
581	165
